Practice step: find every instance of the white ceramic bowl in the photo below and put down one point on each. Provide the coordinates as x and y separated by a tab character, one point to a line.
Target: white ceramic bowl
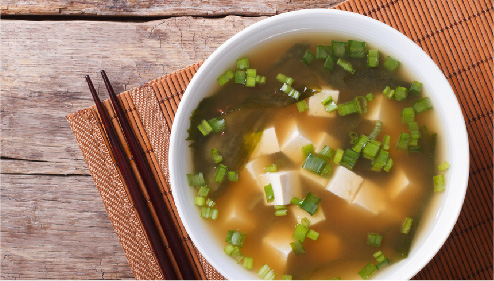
444	208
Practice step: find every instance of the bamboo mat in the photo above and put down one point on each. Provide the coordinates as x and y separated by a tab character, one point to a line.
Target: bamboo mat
456	34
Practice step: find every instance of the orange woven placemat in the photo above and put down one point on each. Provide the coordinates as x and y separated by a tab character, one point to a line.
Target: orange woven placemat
456	34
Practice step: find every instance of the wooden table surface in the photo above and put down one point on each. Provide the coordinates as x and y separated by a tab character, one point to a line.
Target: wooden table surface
53	222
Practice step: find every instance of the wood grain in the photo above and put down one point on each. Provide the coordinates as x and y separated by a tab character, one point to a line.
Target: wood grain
158	8
53	223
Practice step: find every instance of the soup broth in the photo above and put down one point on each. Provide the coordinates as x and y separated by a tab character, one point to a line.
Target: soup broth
342	248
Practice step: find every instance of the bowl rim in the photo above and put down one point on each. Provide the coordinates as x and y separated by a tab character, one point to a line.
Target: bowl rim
440	230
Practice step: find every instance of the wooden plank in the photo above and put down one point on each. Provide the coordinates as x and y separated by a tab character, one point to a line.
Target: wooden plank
56	227
158	8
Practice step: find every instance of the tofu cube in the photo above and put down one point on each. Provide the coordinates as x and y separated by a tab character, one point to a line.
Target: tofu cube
268	144
325	139
345	184
237	217
255	167
371	197
298	214
285	184
313	178
399	182
277	241
374	108
316	108
292	145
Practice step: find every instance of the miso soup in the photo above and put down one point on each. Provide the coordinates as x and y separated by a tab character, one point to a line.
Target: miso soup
314	159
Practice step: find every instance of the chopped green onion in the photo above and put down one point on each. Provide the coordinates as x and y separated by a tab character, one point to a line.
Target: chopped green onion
237	255
391	64
250	81
251	72
308	149
314	163
339	48
266	273
217	124
414	133
412	149
243	63
209	213
323	51
349	159
377	130
403	141
388	165
356	49
200	201
205	128
281	77
210	203
313	235
415	88
407	224
280	210
422	105
379	256
338	156
300	232
348	108
220	173
362	141
439	183
369	96
374	239
233	176
297	248
329	63
401	93
296	201
444	166
260	79
302	106
240	76
371	149
388	92
203	191
380	161
367	271
383	263
225	77
329	104
310	203
196	179
305	221
286	277
346	65
328	169
289	81
248	262
217	158
362	104
235	238
270	169
268	190
373	58
354	137
308	58
408	115
386	142
327	152
229	249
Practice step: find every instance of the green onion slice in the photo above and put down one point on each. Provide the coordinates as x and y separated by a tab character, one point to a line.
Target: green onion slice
367	271
268	190
439	183
443	166
233	176
196	179
391	64
407	224
297	248
235	238
270	169
374	239
220	173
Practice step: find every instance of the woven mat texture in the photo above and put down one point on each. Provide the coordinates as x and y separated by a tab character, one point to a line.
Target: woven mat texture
456	34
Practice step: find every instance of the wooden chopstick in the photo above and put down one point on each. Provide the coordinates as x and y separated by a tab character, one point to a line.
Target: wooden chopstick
130	180
169	228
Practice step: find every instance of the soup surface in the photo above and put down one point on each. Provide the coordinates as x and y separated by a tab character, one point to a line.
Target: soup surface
263	126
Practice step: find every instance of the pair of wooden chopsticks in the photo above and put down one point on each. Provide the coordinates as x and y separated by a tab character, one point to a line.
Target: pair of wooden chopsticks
183	269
